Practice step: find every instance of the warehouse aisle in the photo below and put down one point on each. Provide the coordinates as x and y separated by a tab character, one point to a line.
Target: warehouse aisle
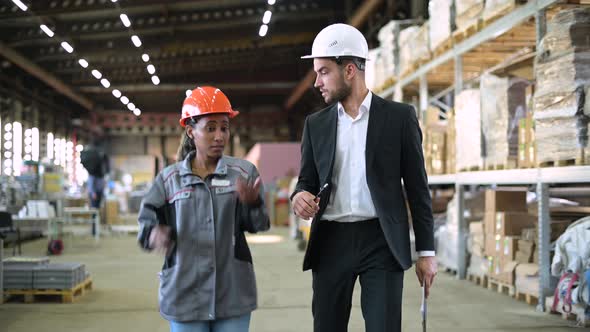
125	297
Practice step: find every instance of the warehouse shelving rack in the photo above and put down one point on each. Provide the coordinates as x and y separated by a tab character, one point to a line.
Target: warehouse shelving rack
513	34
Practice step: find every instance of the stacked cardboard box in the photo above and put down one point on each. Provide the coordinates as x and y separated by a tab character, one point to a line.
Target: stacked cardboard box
476	239
527	278
451	151
563	79
435	142
503	104
526	142
505	217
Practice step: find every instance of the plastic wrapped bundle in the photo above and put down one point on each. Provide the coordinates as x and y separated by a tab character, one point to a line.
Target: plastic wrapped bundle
560	85
568	30
496	7
478	266
468	13
414	47
447	237
440	22
468	130
561	138
373	70
388	46
503	104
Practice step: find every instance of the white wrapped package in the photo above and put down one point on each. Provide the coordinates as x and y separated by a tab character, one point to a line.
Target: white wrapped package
468	129
447	239
478	266
494	7
503	104
373	70
468	12
388	46
413	42
440	22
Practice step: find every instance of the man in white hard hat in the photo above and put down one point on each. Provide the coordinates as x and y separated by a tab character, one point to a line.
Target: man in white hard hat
359	150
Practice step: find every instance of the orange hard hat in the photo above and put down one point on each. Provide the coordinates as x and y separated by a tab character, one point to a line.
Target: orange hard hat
205	100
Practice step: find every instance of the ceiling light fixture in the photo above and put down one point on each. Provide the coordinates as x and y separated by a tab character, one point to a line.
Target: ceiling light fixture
20	5
136	41
66	46
145	57
155	80
137	112
105	83
125	100
125	20
117	93
131	106
83	63
47	30
151	69
96	74
263	30
266	17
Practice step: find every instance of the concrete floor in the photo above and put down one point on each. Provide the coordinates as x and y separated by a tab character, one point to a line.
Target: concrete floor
124	297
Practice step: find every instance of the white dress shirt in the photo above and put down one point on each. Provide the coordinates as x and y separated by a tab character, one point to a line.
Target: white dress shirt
350	198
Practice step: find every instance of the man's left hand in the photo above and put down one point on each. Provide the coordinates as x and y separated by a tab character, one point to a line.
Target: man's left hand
426	269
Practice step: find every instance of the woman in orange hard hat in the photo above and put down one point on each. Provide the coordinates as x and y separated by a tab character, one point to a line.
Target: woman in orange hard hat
196	213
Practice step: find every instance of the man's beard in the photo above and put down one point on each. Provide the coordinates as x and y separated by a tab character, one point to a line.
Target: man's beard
339	94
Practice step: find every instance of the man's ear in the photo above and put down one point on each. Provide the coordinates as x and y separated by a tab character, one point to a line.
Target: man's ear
189	132
350	70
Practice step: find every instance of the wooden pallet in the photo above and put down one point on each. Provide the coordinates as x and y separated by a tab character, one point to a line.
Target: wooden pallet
38	295
478	280
530	299
506	165
460	35
443	47
448	270
500	287
470	169
559	163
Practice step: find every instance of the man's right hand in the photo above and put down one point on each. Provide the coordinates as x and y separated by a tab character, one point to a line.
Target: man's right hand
305	205
160	239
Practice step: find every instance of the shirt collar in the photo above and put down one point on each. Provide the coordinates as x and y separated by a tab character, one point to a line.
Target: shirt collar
186	165
364	108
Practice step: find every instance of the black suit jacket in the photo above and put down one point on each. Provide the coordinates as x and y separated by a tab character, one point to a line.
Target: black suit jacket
393	152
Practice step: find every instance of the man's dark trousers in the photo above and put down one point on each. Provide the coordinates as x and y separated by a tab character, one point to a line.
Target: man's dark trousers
348	250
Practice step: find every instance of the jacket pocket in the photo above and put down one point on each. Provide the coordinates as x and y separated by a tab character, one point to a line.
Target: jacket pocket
180	195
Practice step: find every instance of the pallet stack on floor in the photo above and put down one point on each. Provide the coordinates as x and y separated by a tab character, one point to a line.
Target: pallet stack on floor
32	279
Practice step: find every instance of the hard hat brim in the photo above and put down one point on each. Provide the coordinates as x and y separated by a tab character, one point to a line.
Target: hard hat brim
331	56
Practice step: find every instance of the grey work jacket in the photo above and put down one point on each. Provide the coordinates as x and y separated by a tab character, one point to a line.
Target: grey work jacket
208	274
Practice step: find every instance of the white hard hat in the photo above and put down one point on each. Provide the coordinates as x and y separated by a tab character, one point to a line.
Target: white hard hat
338	40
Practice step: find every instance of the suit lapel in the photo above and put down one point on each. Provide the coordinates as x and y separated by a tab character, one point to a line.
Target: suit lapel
375	126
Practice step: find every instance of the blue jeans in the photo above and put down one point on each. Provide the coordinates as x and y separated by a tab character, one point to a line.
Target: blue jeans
233	324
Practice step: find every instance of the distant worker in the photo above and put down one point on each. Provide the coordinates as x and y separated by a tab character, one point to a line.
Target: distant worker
96	163
358	150
196	213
